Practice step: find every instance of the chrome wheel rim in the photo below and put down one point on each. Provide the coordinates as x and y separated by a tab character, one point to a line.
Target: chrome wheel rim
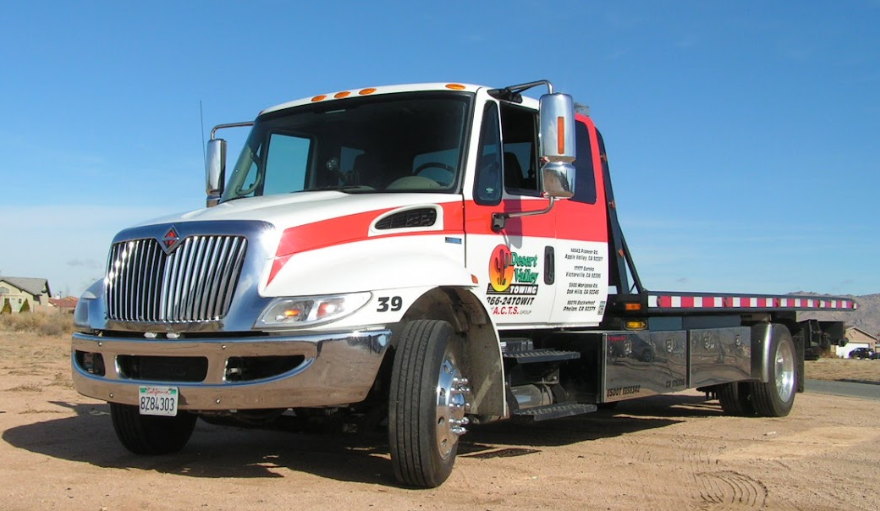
785	371
451	403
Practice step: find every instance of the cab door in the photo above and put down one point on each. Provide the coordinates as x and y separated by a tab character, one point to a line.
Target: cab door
582	236
514	262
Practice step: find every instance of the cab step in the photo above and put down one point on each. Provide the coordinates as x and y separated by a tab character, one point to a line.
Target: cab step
543	413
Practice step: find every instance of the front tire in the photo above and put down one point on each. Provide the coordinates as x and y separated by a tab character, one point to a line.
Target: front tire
776	397
148	434
426	403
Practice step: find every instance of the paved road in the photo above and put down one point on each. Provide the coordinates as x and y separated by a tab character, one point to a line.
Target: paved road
844	388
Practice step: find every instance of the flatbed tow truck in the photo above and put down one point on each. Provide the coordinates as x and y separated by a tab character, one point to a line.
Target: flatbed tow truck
428	256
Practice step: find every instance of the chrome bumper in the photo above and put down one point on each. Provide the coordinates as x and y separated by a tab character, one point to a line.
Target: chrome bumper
337	369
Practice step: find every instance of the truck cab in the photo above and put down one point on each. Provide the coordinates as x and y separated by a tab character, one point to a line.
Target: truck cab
456	166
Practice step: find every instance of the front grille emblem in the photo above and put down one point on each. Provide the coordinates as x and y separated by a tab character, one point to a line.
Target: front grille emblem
169	241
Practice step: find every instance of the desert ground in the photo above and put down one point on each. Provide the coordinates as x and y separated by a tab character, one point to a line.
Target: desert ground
674	452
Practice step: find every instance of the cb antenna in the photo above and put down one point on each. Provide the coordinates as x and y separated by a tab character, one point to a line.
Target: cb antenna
202	122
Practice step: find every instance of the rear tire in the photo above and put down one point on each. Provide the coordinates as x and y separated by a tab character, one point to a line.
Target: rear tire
426	403
776	397
736	399
148	434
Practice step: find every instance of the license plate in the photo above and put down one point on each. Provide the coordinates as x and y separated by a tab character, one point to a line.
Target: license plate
158	401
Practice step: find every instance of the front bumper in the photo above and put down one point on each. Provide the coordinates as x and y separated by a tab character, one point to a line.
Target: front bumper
335	369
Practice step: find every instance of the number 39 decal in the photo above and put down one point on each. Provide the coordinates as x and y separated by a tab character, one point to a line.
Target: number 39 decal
393	303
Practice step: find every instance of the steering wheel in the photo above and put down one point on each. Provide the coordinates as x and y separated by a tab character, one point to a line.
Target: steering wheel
437	165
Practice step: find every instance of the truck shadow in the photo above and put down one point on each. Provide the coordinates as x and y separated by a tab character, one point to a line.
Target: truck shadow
627	417
222	451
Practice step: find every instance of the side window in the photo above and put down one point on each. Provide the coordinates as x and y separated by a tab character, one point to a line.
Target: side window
244	179
585	175
520	132
286	165
487	185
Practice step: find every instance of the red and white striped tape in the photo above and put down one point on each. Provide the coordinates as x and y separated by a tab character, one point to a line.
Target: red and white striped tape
683	301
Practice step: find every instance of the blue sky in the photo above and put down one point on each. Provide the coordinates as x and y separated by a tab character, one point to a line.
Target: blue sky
743	137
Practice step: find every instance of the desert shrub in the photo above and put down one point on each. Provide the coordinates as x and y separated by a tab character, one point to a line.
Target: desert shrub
7	307
829	353
25	307
41	323
21	322
51	329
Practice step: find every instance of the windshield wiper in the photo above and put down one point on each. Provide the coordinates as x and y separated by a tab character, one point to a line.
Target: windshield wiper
340	188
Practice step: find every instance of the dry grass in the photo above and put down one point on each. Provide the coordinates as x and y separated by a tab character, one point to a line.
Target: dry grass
844	369
53	323
27	387
35	346
62	380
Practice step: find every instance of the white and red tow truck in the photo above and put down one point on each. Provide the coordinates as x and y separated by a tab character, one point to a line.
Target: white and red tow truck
419	256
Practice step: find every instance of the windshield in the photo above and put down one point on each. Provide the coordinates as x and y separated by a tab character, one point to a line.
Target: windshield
408	142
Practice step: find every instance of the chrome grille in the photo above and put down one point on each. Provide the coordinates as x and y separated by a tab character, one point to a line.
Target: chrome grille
193	283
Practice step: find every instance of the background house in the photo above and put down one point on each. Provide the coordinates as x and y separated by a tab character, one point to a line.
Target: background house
64	304
16	291
858	338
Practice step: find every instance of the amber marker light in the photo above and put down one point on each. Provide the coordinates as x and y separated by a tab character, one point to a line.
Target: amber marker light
636	325
633	306
343	94
455	86
321	97
367	91
560	134
474	279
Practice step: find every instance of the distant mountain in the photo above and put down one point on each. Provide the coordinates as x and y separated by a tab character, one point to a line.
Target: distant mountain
867	317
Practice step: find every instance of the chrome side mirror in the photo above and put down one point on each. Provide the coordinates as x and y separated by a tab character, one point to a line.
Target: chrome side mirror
215	170
558	180
558	145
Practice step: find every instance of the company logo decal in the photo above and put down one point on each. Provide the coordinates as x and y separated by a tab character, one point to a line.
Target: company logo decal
500	269
513	275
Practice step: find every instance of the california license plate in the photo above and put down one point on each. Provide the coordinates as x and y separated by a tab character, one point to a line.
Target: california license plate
158	401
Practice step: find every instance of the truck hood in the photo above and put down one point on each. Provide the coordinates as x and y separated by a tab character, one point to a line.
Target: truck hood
285	211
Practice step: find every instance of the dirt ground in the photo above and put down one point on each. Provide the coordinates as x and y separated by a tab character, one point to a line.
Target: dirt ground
674	452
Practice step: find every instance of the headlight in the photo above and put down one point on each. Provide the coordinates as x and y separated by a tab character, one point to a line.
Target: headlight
310	310
81	313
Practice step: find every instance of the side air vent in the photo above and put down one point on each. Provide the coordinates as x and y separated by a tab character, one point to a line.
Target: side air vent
423	217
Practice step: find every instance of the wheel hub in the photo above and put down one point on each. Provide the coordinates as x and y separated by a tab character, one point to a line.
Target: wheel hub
452	390
785	371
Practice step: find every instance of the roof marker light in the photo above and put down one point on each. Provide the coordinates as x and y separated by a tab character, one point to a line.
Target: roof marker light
369	90
321	97
343	94
455	86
